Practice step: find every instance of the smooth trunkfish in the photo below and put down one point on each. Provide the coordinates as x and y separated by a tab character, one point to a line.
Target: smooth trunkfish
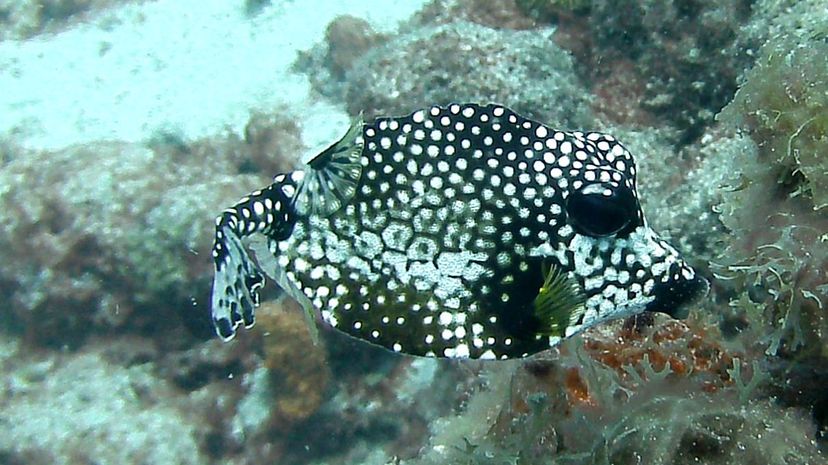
464	231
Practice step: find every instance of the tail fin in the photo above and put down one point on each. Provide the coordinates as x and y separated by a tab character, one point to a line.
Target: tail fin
328	181
237	278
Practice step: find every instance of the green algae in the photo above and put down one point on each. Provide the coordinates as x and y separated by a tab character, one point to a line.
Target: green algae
783	103
654	417
774	206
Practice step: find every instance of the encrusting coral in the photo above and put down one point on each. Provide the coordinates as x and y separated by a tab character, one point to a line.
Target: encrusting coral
297	366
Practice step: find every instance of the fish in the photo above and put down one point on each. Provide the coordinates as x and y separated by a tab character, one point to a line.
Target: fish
457	231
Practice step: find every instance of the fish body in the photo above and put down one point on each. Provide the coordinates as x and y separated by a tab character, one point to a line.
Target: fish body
464	231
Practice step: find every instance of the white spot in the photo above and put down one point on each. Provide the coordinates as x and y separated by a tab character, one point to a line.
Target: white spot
258	207
538	166
541	132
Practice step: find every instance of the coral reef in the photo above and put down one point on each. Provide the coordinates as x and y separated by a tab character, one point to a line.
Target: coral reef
653	62
570	408
685	54
379	405
784	106
505	14
279	397
299	384
774	204
773	269
24	19
520	69
82	409
690	348
114	236
105	253
286	385
348	38
550	9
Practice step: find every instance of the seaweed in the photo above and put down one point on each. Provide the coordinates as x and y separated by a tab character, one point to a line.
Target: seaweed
783	104
566	407
775	205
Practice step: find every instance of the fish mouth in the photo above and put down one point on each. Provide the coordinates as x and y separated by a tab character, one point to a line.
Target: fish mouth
677	297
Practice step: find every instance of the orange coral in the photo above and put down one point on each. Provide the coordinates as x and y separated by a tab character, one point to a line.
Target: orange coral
299	373
577	390
692	350
688	348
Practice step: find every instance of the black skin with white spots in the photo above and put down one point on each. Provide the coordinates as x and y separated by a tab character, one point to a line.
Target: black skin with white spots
430	234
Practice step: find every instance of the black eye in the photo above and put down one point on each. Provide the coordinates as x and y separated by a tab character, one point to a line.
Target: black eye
602	210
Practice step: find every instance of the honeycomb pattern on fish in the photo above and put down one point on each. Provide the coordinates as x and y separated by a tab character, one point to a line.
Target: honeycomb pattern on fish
429	234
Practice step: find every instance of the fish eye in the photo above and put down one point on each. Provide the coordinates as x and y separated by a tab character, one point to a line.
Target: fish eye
602	209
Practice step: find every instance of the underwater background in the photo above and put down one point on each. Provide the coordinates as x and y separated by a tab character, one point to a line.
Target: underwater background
126	126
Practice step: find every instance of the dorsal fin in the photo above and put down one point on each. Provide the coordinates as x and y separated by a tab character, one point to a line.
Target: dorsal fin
331	177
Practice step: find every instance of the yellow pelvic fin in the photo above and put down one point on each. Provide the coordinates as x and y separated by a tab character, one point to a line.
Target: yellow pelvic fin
560	302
